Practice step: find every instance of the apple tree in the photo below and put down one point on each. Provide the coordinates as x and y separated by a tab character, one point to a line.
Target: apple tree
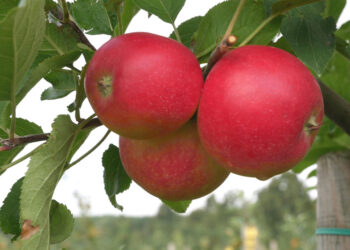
42	39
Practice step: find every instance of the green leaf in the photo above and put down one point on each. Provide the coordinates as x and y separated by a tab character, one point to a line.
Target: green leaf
5	112
61	219
177	206
6	6
7	157
61	79
9	212
20	38
79	140
45	170
186	30
115	178
343	40
23	127
129	10
342	47
167	10
285	5
310	36
283	44
344	31
53	93
312	173
337	75
87	52
268	6
111	7
334	8
214	24
45	67
58	40
61	222
92	16
63	82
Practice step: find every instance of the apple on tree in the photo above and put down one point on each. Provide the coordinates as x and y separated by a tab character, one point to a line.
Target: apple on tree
174	167
142	85
258	115
260	111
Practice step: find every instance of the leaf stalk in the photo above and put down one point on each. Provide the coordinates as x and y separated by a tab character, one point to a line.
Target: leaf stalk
90	150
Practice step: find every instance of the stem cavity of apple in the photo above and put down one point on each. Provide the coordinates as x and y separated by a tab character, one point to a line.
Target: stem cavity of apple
105	85
312	125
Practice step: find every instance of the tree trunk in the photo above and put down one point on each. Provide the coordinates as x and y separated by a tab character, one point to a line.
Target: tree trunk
333	202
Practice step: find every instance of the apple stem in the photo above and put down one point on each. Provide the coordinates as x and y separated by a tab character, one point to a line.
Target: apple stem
119	17
219	52
312	128
312	125
226	43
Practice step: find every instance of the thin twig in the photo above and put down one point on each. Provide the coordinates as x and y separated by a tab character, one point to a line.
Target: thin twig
119	16
81	34
8	144
7	166
90	150
79	93
63	19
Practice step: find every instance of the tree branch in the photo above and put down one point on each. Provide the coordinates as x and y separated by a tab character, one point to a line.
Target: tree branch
8	144
64	19
336	107
81	34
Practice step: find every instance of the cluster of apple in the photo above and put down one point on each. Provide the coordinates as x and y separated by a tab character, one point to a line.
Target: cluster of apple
256	115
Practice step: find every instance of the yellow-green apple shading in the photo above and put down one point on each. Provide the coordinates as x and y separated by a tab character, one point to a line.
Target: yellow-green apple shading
174	167
142	85
260	111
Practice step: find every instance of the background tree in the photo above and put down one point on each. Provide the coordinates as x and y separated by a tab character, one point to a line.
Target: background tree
283	209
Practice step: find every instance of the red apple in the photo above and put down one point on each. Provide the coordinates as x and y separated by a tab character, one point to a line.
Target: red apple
174	167
259	111
143	85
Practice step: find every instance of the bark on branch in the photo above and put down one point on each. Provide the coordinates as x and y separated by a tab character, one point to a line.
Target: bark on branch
8	144
336	107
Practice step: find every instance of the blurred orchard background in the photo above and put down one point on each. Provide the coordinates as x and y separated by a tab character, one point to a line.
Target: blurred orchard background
243	212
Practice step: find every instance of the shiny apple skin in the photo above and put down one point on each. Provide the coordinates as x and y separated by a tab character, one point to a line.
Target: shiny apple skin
156	85
254	111
174	167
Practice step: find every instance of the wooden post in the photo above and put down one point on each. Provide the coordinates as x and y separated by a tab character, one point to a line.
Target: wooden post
333	202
